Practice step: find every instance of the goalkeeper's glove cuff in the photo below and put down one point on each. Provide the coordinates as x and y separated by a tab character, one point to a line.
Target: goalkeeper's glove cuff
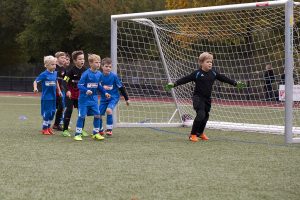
169	86
240	85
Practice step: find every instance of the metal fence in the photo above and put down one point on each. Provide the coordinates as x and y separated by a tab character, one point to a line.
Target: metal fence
12	83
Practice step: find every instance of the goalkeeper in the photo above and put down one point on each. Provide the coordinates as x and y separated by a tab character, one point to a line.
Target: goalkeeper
204	79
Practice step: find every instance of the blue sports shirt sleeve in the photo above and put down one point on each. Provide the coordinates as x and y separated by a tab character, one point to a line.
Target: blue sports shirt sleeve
118	82
41	77
101	89
81	83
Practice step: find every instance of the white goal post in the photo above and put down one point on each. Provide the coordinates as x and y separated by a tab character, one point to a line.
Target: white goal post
150	49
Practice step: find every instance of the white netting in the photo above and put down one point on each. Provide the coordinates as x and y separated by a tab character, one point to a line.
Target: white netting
243	43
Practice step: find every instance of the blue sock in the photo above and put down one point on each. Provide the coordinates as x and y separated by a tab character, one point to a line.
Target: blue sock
45	124
49	123
96	125
109	122
79	125
100	124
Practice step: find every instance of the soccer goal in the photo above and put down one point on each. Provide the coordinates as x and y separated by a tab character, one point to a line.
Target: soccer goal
153	48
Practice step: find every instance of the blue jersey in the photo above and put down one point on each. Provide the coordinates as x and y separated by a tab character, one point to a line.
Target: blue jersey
90	81
111	83
48	80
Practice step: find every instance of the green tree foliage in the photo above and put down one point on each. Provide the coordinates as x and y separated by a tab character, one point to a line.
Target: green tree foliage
47	29
12	17
91	20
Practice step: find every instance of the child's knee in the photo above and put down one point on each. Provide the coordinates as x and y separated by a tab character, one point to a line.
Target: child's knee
109	111
98	116
81	118
200	115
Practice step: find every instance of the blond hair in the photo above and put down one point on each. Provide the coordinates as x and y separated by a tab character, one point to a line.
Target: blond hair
93	57
59	54
204	56
48	60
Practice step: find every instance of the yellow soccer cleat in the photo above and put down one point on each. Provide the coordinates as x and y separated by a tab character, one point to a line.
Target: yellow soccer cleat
97	136
66	133
78	138
84	133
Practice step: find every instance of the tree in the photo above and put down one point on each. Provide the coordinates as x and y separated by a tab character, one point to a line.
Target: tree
91	20
13	15
47	29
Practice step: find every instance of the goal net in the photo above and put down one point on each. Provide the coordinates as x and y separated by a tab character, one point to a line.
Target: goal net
152	49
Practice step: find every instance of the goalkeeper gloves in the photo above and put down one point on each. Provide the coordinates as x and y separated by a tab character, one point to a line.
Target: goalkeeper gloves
169	86
240	85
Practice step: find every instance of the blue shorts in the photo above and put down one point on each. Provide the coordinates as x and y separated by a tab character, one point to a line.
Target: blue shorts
48	108
88	110
112	103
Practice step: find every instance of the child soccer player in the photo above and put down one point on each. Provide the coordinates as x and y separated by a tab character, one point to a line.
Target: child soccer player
66	66
48	78
67	61
88	98
71	100
61	72
204	79
112	84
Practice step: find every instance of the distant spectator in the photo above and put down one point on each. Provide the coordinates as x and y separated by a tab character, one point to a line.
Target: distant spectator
269	79
295	77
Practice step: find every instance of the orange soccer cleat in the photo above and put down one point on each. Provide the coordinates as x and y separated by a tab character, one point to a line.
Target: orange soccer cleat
50	130
204	137
45	132
101	133
108	132
193	138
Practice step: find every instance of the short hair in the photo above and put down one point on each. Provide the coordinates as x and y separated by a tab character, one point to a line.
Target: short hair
106	61
93	57
48	59
67	55
75	54
59	54
204	56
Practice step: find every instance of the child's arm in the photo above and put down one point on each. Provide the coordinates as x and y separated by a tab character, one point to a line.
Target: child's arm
81	84
58	89
189	78
103	91
35	89
41	77
66	83
124	94
225	79
122	89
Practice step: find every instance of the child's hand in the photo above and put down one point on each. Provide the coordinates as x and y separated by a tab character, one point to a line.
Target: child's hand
89	92
127	103
107	95
169	86
35	90
68	94
240	85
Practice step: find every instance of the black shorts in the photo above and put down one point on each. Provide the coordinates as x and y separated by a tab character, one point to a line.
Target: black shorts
201	103
70	103
59	102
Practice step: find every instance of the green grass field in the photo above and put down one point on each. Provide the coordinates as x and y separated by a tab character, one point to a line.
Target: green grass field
140	163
